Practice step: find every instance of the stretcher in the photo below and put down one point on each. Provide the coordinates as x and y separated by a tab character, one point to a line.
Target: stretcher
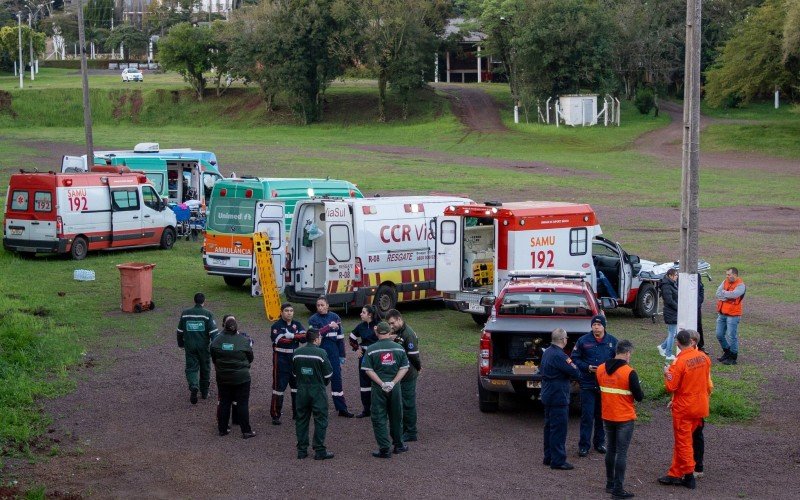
263	278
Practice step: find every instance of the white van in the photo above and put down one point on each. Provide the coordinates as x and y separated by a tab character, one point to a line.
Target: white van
364	251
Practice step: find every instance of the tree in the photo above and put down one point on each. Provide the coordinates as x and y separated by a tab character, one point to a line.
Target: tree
98	13
791	37
186	50
132	39
9	42
751	63
222	38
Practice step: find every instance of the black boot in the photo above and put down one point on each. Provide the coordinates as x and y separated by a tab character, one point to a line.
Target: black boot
725	355
731	359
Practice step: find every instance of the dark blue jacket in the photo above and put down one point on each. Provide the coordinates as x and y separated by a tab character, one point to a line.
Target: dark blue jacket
332	338
588	351
669	293
556	370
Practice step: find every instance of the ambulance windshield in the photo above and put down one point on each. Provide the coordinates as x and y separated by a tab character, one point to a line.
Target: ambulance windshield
232	216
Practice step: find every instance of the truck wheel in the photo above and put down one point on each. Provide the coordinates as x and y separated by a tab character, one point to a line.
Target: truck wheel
385	299
167	238
480	319
488	402
234	281
79	248
646	302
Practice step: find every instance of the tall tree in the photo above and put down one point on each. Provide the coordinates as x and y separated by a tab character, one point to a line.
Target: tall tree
186	50
132	39
751	63
254	49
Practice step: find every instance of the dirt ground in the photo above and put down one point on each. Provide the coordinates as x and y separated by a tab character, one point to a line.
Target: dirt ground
128	431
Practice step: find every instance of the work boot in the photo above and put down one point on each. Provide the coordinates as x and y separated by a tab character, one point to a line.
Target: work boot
731	359
688	481
345	414
193	397
670	480
301	454
382	453
364	414
325	455
248	435
621	494
276	420
726	353
400	449
204	395
609	486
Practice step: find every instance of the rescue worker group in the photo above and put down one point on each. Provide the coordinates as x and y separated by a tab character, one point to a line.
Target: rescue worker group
305	361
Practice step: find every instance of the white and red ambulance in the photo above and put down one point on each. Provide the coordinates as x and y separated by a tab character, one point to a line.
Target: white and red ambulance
79	212
480	244
359	251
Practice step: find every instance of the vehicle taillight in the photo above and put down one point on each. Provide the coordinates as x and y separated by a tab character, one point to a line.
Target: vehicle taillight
485	358
59	227
357	274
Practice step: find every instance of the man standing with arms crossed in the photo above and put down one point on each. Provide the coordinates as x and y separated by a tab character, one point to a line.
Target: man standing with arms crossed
557	370
689	381
313	371
619	387
386	364
196	329
730	294
286	335
406	337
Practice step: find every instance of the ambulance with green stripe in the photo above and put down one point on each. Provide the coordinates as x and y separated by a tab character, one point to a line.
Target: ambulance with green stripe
377	251
233	217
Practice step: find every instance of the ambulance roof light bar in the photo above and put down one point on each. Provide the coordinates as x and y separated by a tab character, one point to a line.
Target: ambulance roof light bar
546	273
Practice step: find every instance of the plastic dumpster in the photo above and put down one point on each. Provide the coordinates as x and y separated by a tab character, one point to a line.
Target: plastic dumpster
136	283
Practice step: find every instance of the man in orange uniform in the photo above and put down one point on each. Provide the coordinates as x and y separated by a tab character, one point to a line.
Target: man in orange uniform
689	381
619	387
730	294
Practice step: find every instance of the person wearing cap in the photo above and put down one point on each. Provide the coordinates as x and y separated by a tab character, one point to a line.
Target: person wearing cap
196	329
386	363
557	371
407	338
329	325
312	369
286	335
590	351
232	355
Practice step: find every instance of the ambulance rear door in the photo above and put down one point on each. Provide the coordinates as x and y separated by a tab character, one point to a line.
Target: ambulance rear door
340	251
270	219
449	242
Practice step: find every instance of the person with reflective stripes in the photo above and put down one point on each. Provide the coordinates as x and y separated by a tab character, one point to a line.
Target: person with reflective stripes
312	369
286	336
557	371
386	363
619	387
196	329
406	337
329	325
689	381
363	336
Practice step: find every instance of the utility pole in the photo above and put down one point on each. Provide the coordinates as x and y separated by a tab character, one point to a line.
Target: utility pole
21	66
30	41
690	171
87	110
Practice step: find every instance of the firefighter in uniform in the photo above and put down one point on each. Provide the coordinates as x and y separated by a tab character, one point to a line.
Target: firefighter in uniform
313	371
386	363
406	337
196	329
286	335
619	387
557	369
329	325
363	336
689	381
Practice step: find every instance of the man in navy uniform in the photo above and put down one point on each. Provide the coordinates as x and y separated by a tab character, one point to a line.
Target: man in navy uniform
286	335
557	369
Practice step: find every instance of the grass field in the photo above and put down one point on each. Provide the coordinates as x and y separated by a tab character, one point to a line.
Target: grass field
45	336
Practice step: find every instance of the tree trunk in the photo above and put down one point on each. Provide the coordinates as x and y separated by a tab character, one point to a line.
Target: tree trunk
382	95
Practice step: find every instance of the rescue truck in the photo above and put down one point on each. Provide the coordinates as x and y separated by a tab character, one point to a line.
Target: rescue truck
480	244
79	212
233	217
364	251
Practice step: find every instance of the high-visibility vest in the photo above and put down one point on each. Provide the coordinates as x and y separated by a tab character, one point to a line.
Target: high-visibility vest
615	394
731	307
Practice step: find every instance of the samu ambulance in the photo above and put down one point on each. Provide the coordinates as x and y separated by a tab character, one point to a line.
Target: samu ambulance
80	212
233	217
479	245
364	251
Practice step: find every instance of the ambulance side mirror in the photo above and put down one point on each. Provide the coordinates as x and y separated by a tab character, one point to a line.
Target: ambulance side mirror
634	259
488	300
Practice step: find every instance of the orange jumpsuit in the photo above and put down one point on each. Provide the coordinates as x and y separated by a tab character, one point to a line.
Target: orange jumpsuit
689	380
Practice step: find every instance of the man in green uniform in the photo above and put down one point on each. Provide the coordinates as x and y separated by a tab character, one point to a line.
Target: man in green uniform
196	330
406	337
312	369
386	364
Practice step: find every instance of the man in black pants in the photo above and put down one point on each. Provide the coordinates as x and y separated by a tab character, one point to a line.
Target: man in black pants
232	355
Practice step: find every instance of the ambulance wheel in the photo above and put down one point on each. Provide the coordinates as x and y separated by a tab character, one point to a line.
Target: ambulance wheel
167	238
646	302
234	281
488	402
79	248
480	319
385	299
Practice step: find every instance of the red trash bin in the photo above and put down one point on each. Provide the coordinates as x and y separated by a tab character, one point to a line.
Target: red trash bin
136	283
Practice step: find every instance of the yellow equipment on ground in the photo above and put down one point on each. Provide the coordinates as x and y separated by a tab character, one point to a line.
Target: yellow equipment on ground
266	275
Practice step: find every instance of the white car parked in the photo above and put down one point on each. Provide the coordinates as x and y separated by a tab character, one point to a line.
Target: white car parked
132	75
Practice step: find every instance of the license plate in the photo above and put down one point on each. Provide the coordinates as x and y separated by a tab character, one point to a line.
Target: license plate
477	308
218	262
16	232
534	384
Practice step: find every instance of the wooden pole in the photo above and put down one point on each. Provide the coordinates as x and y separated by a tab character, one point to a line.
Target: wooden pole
87	110
690	167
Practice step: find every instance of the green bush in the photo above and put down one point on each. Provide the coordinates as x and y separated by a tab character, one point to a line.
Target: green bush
645	100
